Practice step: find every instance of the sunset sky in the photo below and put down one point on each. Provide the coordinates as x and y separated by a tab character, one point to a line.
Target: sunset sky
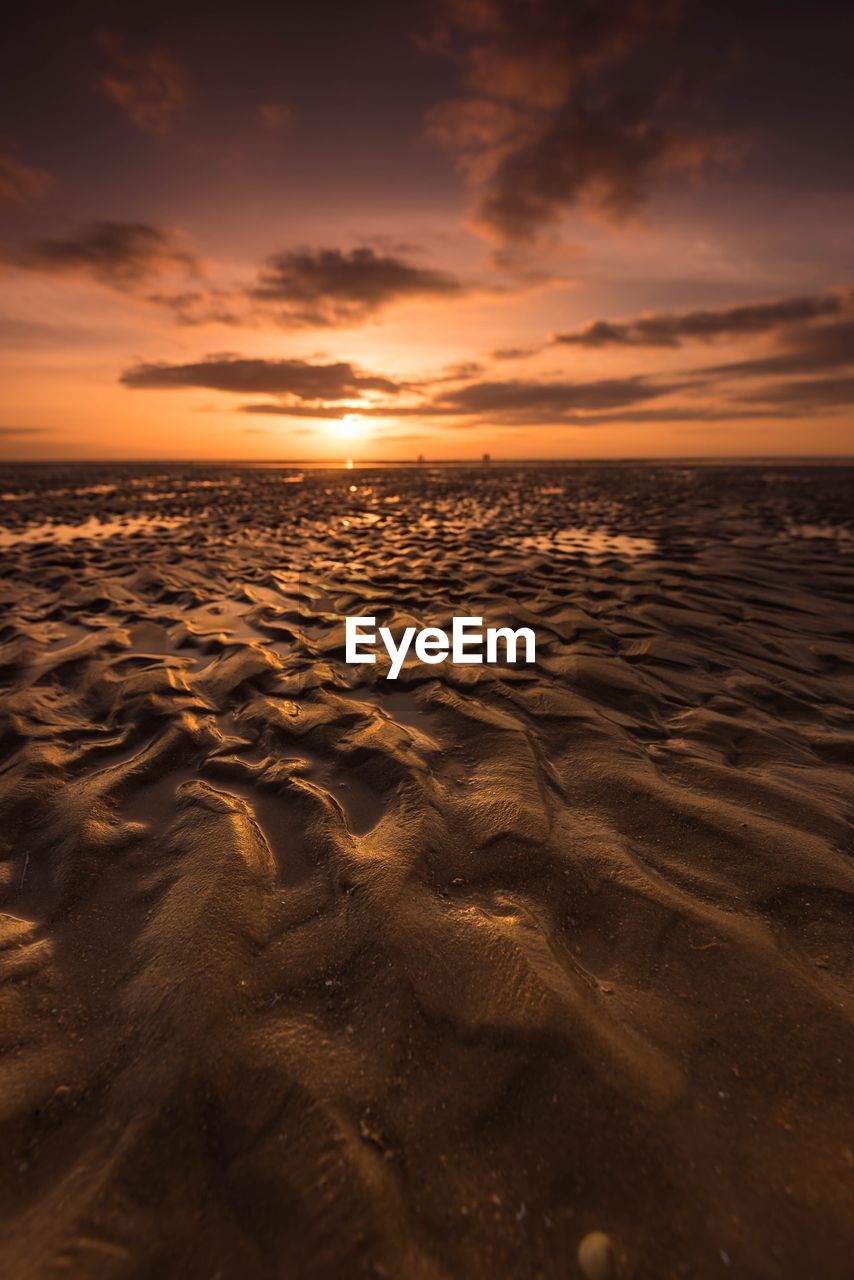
377	230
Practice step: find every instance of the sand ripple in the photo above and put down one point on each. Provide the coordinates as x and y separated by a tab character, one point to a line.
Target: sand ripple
305	973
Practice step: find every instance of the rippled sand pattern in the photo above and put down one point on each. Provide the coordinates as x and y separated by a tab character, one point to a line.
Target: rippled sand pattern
305	973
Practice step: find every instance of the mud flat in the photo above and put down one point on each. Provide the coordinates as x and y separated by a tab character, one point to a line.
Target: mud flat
489	971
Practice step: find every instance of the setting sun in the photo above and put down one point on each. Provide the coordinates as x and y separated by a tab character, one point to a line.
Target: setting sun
351	427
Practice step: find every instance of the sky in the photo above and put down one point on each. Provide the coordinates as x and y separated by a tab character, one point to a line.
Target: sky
533	228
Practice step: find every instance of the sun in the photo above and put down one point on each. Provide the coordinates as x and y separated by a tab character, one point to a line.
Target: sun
351	427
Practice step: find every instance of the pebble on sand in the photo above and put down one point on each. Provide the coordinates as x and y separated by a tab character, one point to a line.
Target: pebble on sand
596	1256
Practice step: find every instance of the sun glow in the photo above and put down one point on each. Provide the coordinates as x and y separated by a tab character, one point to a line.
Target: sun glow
351	427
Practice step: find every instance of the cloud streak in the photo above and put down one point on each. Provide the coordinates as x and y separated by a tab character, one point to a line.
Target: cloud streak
518	403
803	395
806	350
673	329
300	379
121	255
534	401
303	388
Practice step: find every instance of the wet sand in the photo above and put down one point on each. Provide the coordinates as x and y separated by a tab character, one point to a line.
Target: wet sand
306	973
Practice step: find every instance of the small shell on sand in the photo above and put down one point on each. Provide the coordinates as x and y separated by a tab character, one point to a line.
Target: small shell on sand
596	1256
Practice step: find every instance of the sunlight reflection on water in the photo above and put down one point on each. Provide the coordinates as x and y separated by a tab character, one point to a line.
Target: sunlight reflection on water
92	528
591	541
837	532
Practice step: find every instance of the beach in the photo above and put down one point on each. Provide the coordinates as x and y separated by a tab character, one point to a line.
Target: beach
307	972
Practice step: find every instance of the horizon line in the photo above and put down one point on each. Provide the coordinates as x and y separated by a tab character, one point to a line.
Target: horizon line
485	461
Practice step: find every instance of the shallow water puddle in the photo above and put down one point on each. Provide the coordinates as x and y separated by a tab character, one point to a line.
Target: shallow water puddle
591	541
95	488
91	528
836	532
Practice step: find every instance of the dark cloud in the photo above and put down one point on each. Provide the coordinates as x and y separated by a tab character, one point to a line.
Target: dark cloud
519	402
527	415
19	184
148	84
532	402
295	289
639	417
674	328
800	345
804	350
122	255
332	287
604	158
462	371
514	353
298	378
801	395
566	107
313	288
